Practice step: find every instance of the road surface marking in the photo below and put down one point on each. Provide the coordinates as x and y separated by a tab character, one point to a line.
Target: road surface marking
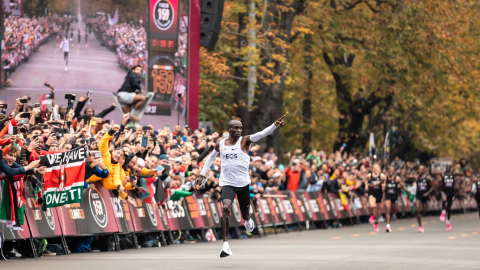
451	237
401	229
464	235
336	237
413	226
355	235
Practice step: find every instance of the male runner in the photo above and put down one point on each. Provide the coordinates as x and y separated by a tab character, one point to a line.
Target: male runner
234	176
424	188
447	191
390	194
373	188
476	181
65	45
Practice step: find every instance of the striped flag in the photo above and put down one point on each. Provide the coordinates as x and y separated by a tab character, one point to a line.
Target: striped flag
64	177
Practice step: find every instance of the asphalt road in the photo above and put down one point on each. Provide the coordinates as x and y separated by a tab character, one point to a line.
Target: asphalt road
350	247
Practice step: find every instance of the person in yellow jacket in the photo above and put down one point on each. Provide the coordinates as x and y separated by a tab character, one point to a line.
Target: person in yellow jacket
111	161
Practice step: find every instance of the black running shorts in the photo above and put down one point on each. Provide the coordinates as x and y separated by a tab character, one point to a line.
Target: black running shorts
378	195
242	193
392	198
449	193
423	199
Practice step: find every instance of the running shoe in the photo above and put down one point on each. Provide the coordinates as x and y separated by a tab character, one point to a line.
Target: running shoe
420	229
372	219
225	252
376	228
442	216
388	229
249	225
449	227
14	254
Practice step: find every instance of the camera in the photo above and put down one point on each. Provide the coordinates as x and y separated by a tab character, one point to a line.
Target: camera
23	100
3	106
70	97
98	155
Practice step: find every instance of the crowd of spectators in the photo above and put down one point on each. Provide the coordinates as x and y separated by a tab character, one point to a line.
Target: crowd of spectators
134	157
129	42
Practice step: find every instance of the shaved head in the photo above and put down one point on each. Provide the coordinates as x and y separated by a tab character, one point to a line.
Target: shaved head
233	122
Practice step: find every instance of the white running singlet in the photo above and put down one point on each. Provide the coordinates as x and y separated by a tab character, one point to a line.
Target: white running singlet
234	165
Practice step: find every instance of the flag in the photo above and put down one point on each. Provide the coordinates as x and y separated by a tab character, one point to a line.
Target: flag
12	207
371	144
64	177
114	20
386	146
174	194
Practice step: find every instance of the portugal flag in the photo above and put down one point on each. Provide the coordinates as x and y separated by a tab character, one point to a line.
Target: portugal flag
64	177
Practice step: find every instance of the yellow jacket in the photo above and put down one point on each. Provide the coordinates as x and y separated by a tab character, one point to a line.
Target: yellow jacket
143	172
113	180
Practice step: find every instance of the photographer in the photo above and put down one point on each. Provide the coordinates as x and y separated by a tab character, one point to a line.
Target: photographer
95	166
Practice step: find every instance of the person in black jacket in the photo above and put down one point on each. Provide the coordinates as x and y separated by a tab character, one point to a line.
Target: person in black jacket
127	94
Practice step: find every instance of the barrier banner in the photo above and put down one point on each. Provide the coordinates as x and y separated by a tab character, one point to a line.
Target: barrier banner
310	200
198	211
122	213
146	217
301	209
276	208
336	203
94	215
42	224
325	206
178	216
267	214
212	212
360	206
284	202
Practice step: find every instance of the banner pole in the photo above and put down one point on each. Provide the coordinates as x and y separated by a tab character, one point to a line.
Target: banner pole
163	238
34	249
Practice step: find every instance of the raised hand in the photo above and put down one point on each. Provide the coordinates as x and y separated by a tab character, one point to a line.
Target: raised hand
280	122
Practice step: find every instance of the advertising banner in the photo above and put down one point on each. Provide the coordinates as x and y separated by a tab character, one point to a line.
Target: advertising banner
301	209
94	215
178	215
146	217
43	224
310	199
212	212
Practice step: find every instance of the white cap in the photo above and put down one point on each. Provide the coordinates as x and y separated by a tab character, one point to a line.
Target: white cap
296	161
276	175
141	162
256	159
270	163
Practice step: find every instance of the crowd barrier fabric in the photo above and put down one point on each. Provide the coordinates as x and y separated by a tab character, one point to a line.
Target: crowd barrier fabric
100	212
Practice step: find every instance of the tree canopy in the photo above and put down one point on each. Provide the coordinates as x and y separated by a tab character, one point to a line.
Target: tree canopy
365	66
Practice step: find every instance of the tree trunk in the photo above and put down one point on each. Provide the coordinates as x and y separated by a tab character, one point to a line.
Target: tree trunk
307	101
268	102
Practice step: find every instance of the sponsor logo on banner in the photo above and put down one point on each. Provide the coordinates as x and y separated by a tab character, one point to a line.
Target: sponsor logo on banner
162	215
98	208
314	205
151	213
278	203
265	207
261	209
288	206
50	219
175	209
203	210
213	209
117	207
307	206
339	204
163	14
236	212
